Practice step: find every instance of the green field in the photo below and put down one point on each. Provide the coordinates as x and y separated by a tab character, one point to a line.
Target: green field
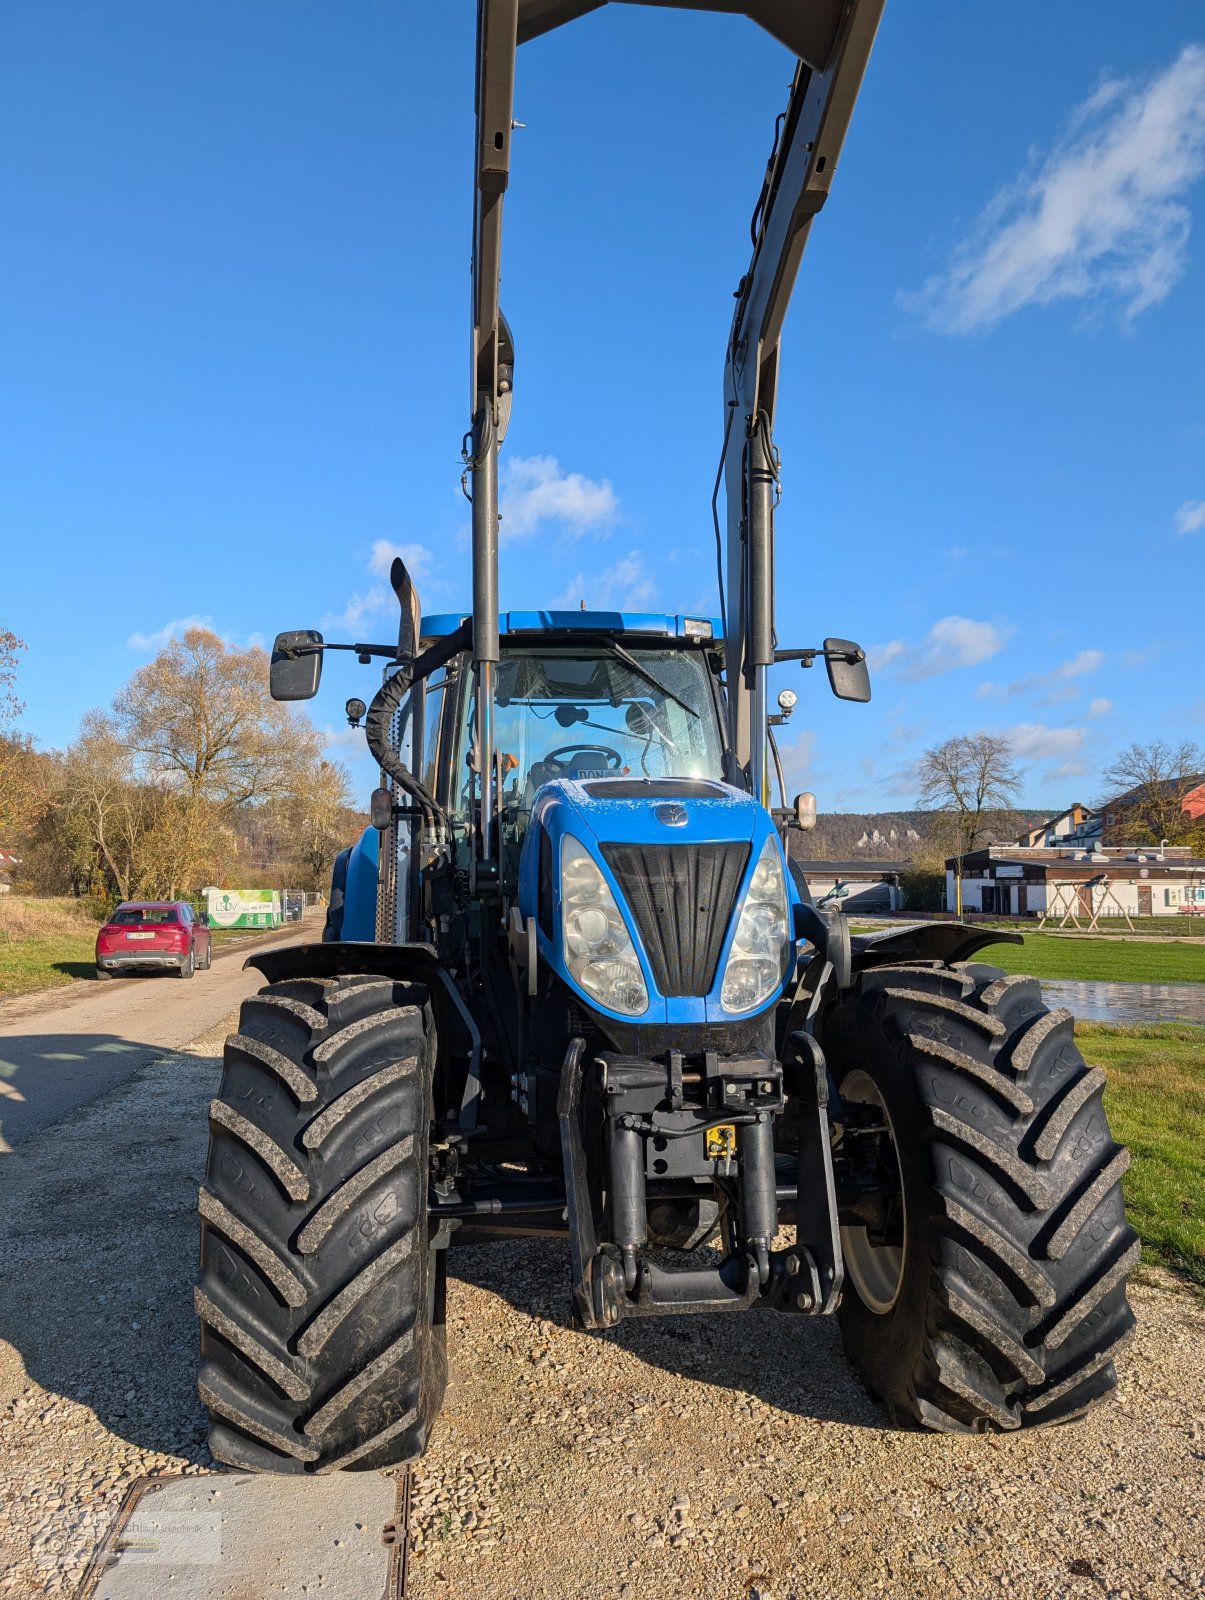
1045	955
1156	1104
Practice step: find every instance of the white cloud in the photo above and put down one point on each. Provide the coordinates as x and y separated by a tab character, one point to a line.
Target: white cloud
1034	741
1048	688
535	493
170	630
379	600
957	552
627	585
1190	518
882	655
951	642
340	742
798	756
416	556
1099	708
1099	220
1087	661
372	603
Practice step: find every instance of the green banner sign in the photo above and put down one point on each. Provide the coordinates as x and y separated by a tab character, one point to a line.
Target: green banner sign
244	908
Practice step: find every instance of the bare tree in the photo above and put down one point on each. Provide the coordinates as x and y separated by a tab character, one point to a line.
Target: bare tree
200	716
10	648
971	778
1147	785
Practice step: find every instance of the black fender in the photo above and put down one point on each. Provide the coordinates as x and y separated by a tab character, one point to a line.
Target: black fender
406	963
849	954
947	942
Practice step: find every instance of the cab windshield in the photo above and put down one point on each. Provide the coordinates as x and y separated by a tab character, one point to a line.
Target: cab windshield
597	712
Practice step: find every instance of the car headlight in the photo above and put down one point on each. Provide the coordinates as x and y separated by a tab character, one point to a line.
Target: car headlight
599	952
757	961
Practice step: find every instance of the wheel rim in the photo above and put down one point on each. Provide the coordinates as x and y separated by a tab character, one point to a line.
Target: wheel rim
876	1270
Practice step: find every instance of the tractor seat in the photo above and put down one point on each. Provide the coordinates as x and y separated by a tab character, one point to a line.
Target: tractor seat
588	766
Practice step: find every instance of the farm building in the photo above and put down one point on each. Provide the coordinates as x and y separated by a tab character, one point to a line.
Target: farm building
1014	881
8	870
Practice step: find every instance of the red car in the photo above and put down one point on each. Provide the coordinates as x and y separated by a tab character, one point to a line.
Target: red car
149	936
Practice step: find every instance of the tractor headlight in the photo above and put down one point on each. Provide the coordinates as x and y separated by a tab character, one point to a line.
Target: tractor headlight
598	949
757	960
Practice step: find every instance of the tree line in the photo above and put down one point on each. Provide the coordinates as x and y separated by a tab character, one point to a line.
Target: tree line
171	787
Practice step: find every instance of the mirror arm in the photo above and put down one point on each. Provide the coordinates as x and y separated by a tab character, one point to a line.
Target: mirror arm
420	666
387	650
807	657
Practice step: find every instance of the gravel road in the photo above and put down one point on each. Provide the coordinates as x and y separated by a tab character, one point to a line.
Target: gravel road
63	1048
717	1457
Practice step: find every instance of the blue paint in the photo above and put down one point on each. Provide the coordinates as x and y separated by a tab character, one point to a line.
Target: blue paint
565	807
360	894
658	624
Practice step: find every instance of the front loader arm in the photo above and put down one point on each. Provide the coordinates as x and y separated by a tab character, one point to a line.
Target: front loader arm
797	183
832	39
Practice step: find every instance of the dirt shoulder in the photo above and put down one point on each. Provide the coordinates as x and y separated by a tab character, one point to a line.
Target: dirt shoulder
702	1458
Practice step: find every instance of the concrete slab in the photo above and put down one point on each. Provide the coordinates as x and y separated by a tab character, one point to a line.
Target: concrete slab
237	1536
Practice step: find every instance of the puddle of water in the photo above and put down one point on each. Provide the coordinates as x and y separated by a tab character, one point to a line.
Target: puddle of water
1097	1000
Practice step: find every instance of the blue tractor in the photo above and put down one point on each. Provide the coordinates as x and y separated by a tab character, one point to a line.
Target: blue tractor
573	984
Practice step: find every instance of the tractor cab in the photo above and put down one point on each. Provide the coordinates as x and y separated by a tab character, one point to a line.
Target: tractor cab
593	698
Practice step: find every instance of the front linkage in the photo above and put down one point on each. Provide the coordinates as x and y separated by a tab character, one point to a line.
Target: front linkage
714	1124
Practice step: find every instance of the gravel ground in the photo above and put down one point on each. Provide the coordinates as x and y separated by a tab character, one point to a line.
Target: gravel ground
726	1456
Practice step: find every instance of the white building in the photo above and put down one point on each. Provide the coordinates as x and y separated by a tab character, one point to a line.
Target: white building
1015	881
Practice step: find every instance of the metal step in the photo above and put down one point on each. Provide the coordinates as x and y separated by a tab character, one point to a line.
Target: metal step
223	1534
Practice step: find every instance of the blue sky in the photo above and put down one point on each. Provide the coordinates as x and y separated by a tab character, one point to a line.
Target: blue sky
234	376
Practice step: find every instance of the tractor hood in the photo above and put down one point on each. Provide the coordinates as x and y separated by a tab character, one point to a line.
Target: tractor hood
677	857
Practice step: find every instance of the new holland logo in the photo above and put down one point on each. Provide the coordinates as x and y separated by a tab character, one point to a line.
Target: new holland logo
672	814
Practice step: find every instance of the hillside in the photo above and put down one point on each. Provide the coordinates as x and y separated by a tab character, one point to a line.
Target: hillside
894	835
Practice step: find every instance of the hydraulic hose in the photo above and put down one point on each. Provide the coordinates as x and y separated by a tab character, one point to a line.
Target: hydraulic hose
385	706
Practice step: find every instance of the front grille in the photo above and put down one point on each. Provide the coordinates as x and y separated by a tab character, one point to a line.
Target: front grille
681	896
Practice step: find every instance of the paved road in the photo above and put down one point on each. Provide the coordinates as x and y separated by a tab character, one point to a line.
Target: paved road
65	1048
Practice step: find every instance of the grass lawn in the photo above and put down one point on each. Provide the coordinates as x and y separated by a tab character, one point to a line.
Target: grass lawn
1156	1104
44	943
1131	961
1115	927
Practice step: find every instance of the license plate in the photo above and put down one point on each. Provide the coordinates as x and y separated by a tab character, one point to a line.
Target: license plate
720	1143
140	935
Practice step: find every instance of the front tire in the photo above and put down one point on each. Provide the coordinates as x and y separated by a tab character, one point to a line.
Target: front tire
321	1306
990	1292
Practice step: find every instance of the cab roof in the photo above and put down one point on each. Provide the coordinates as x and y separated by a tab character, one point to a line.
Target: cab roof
654	624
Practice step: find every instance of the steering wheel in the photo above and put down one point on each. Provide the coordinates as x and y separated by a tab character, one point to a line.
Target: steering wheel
556	758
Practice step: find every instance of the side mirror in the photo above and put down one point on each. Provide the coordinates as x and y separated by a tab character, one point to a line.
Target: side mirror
848	674
296	665
805	811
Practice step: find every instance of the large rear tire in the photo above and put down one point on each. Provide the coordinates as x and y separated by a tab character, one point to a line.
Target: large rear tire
995	1295
321	1303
